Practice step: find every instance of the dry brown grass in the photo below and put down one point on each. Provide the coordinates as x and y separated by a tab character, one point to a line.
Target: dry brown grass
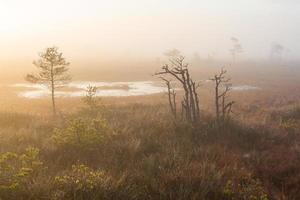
142	153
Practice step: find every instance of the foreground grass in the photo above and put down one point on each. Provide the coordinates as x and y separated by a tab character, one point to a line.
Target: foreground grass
138	151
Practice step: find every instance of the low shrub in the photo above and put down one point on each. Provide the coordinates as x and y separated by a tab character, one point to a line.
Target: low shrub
18	174
81	183
247	188
80	140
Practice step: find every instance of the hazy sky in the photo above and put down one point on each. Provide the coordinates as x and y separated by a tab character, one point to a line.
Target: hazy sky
87	30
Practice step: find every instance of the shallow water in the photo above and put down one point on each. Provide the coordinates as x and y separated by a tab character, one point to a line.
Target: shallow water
108	89
105	89
244	87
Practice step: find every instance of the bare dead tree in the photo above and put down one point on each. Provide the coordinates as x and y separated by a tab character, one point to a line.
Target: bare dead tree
178	69
277	51
226	106
236	48
171	96
223	108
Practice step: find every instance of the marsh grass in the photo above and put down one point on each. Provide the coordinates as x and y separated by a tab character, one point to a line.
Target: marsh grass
138	151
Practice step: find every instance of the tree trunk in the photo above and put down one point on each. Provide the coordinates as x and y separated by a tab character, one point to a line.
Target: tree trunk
170	99
191	97
223	108
196	100
53	99
53	91
217	101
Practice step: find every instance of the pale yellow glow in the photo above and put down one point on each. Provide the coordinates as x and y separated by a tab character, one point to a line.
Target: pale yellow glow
90	31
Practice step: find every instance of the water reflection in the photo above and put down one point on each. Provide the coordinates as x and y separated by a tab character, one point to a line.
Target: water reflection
105	89
77	89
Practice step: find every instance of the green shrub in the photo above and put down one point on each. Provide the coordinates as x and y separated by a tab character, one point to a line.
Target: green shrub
247	188
18	173
92	104
80	183
86	136
80	141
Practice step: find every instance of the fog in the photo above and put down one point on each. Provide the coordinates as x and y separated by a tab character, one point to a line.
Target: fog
102	34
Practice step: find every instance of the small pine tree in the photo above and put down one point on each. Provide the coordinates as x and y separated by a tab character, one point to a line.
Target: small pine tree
53	70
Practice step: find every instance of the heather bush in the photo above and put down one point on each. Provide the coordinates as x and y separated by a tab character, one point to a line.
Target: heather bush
247	188
80	183
80	139
18	174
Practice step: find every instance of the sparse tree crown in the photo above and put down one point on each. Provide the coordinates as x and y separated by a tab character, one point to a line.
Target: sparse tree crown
53	69
52	65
